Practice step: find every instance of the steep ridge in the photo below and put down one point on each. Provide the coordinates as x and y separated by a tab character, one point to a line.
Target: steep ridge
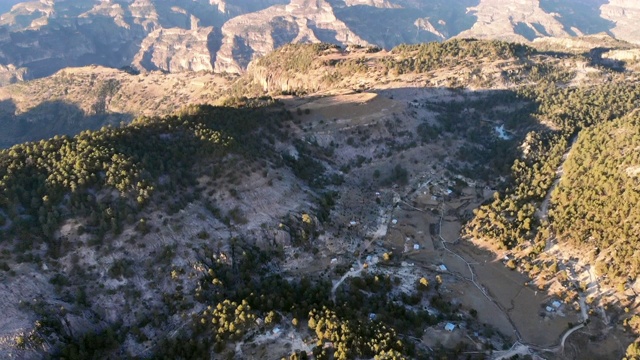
256	34
514	21
624	14
178	50
406	21
38	38
77	99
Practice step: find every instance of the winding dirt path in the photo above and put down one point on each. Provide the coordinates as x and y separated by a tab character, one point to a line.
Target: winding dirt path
519	347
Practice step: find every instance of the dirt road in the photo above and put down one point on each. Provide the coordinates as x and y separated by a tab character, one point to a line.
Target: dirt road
350	273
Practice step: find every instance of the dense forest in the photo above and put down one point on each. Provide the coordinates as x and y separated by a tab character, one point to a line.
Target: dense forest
430	56
510	219
595	206
288	66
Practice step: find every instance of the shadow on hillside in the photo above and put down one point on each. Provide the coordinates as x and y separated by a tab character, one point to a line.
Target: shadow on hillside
596	59
389	27
579	14
49	119
486	127
101	38
95	42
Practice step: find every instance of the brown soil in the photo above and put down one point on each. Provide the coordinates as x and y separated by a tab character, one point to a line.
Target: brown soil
451	230
523	303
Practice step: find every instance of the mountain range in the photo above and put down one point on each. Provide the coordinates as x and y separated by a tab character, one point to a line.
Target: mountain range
38	38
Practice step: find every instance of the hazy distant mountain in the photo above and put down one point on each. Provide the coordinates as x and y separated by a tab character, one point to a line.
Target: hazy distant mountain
38	38
7	4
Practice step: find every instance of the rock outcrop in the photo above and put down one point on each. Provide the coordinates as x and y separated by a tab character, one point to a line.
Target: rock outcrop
76	99
38	38
513	20
625	16
176	50
256	34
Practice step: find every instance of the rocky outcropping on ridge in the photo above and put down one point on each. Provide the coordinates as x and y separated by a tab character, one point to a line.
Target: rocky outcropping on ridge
38	38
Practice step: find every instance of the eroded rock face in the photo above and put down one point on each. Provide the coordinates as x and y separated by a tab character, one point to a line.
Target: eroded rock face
256	34
176	50
514	20
46	36
38	38
9	74
625	15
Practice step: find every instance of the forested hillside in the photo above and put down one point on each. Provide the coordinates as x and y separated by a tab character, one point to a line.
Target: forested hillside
108	175
590	152
510	219
595	206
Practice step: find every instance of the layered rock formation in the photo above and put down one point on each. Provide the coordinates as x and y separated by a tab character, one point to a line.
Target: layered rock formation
38	38
625	15
257	34
176	50
513	21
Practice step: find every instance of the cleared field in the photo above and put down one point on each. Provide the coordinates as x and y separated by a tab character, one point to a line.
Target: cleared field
347	110
504	302
523	304
450	230
411	225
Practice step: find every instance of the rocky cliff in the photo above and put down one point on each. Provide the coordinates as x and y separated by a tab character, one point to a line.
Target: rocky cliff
176	50
513	20
37	38
625	15
256	34
76	99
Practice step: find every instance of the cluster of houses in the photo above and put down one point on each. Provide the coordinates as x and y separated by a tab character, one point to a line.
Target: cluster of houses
555	305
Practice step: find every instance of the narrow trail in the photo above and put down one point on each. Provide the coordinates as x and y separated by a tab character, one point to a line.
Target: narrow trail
571	331
543	212
517	349
522	348
344	277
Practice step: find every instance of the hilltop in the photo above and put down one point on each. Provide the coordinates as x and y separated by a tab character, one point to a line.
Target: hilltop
75	99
